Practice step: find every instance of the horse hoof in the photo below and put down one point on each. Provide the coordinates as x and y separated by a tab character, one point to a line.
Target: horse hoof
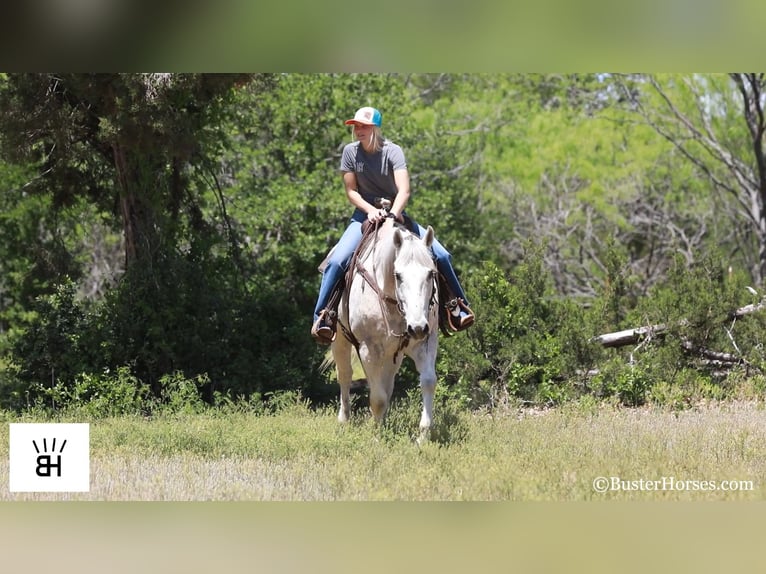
424	437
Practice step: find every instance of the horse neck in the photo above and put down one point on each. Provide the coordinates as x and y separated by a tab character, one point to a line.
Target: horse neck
383	261
378	258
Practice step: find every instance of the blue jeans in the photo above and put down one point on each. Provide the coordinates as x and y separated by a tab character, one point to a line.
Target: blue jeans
344	249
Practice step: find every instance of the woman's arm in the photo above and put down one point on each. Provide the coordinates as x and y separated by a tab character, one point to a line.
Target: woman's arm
402	181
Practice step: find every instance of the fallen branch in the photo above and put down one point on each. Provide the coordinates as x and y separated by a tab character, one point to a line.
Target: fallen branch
641	335
717	356
748	309
629	336
634	336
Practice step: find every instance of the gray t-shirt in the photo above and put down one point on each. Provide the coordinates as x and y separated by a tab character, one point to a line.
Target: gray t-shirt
374	171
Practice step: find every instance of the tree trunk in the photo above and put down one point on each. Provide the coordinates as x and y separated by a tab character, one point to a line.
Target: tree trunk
136	209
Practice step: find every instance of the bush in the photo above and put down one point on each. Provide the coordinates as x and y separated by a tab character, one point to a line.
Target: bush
627	382
193	314
97	395
54	348
181	395
526	343
673	366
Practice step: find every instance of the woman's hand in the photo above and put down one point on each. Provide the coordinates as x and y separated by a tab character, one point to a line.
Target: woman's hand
377	215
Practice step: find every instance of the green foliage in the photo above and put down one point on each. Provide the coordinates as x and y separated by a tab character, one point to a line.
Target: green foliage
613	304
181	395
526	343
120	393
98	395
54	347
163	232
624	381
690	387
38	248
695	302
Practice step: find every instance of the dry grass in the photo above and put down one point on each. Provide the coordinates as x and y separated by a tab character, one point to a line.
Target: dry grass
532	455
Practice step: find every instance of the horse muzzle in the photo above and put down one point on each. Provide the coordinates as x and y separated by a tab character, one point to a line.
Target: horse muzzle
418	332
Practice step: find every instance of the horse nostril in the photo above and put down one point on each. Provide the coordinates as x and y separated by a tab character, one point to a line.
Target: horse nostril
417	332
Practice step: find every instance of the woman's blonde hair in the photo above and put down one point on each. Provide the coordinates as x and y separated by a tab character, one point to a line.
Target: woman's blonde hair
376	137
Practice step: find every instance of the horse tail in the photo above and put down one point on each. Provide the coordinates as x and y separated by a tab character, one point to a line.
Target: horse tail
356	364
327	362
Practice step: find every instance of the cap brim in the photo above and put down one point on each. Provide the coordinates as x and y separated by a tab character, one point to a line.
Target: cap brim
357	123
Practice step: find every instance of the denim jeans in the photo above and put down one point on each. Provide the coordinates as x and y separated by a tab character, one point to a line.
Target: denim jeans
338	262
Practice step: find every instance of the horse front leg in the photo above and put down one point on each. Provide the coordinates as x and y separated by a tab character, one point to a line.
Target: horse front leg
380	372
380	395
427	389
425	363
341	352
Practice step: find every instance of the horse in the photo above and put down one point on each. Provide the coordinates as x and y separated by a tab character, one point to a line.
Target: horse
389	309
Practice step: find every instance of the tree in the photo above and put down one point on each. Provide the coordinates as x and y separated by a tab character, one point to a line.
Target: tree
135	147
717	123
125	141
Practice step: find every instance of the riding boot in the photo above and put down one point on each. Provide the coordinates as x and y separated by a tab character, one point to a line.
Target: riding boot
454	313
459	315
323	329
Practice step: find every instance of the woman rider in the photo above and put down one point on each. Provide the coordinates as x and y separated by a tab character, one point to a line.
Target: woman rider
375	168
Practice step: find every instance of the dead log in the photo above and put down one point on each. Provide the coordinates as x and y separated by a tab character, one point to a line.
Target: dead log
629	336
713	358
638	334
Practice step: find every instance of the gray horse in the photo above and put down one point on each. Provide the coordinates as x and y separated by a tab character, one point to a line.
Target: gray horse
389	310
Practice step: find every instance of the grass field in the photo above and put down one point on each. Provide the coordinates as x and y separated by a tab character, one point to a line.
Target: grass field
530	455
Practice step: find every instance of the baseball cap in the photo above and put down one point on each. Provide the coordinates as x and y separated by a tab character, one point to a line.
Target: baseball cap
366	116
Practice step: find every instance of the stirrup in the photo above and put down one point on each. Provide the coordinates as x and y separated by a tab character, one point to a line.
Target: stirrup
454	308
323	329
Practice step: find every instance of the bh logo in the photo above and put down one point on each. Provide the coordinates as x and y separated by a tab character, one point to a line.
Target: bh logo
49	457
44	463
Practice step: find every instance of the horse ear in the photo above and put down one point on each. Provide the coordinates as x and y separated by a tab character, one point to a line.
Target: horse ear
428	239
397	238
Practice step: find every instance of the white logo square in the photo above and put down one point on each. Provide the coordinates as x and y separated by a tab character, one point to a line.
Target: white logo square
49	457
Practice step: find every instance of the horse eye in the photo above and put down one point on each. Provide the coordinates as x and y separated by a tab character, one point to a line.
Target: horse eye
398	277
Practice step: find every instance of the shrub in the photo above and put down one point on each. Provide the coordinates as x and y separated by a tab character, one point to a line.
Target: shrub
181	395
54	347
526	342
97	395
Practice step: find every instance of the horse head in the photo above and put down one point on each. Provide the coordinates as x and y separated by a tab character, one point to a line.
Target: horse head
415	276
